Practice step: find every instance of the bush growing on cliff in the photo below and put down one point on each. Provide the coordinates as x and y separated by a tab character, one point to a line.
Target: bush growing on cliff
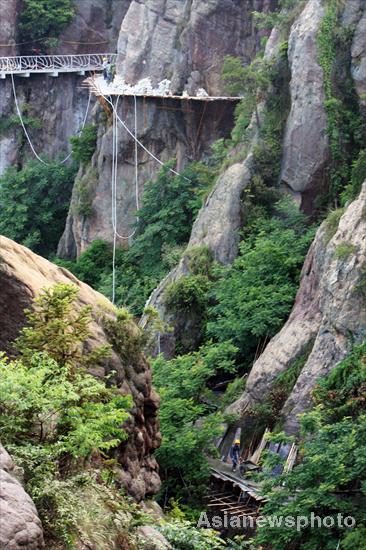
44	19
188	424
83	146
34	203
253	296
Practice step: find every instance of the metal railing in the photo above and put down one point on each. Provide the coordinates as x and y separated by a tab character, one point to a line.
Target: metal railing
54	63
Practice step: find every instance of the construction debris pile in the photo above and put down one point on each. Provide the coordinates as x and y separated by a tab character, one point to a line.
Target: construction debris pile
143	87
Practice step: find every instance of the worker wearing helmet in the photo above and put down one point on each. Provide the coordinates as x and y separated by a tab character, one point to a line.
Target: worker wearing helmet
235	453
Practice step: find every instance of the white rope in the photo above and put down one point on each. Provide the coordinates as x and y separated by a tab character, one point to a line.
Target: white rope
114	189
137	140
26	132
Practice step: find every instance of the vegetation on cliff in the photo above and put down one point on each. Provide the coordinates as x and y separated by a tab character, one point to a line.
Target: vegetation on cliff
331	478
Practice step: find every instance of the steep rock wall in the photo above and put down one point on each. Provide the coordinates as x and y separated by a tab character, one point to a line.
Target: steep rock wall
305	145
329	313
187	42
58	104
22	275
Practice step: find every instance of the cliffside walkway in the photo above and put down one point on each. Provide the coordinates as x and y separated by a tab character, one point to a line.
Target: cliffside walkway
53	65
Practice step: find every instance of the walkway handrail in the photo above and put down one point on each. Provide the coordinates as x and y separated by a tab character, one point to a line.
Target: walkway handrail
61	63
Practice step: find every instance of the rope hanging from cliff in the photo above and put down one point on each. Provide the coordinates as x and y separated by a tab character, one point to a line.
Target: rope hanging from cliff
114	188
26	131
138	142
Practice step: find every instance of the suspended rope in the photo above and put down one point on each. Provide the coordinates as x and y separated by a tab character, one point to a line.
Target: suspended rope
115	144
26	131
138	142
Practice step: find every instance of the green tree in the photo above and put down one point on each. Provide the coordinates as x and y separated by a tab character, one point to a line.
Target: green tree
83	146
55	417
251	81
188	423
40	19
34	204
253	296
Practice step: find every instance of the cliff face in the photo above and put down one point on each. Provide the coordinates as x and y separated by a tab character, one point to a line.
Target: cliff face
305	147
187	43
57	104
22	275
328	316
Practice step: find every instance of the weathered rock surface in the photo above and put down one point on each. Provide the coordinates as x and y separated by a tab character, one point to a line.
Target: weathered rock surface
58	104
305	146
358	53
329	311
21	527
22	275
186	41
94	28
9	13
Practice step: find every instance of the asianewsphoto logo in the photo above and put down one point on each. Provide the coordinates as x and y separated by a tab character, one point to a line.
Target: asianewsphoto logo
290	522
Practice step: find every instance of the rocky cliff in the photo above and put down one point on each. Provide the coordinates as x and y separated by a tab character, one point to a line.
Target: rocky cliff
58	105
22	275
187	43
329	315
305	156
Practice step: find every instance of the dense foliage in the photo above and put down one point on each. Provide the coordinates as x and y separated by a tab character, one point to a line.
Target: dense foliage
53	414
83	145
187	424
34	203
44	19
254	295
169	206
331	478
345	125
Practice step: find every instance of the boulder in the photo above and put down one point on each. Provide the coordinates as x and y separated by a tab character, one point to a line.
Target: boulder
21	528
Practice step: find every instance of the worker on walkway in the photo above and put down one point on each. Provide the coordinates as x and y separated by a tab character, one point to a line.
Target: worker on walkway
235	453
106	68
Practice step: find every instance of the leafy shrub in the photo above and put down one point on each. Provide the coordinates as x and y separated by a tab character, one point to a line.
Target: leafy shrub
187	425
188	294
199	260
83	146
45	19
332	223
54	416
344	249
358	177
34	204
183	535
253	296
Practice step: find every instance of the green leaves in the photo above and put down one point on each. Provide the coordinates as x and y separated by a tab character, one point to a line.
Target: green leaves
331	477
83	146
187	425
253	296
40	19
34	204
